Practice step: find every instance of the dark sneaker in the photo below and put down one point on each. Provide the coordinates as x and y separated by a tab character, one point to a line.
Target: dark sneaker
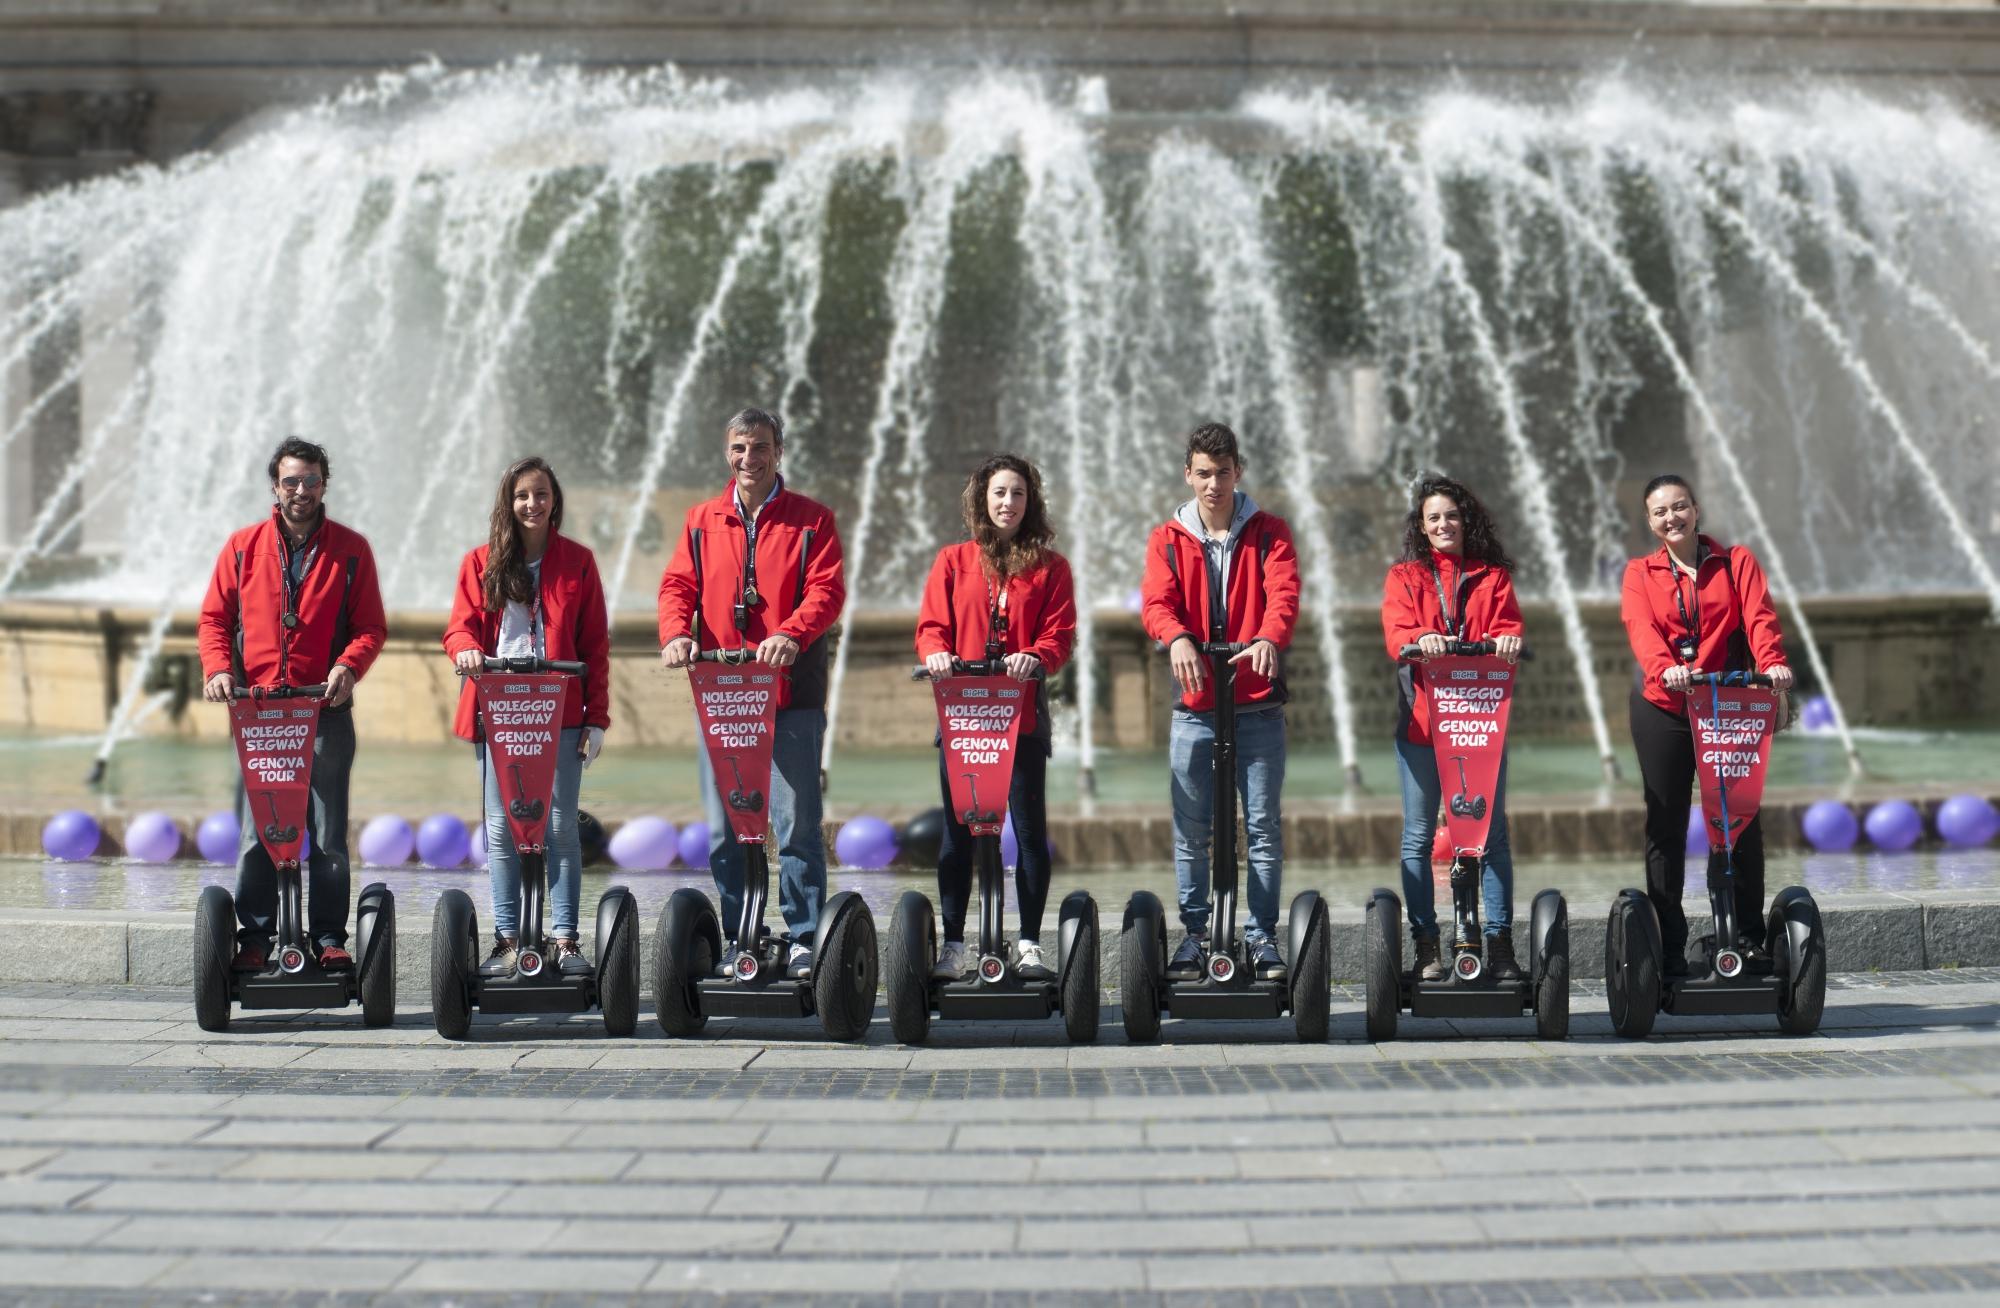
250	958
1675	967
501	961
1186	962
726	965
1500	957
1430	963
333	958
569	959
799	962
1265	964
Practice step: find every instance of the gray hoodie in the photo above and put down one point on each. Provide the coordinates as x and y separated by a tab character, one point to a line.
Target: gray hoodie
1217	553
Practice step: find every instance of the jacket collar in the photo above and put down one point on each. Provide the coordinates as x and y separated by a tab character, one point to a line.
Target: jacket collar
1708	550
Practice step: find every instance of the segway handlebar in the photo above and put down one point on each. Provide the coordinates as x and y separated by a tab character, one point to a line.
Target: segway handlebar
974	668
279	692
526	664
1467	648
1228	648
745	654
1728	679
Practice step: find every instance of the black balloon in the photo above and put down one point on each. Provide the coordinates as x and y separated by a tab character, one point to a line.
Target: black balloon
590	832
922	837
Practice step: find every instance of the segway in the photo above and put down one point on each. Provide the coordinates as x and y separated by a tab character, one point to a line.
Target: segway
522	705
979	718
1470	690
1227	987
735	705
274	728
1732	747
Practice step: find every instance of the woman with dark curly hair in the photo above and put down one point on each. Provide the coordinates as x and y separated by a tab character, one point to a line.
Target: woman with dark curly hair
1454	582
1004	584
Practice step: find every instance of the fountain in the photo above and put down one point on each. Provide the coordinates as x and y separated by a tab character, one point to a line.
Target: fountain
1788	296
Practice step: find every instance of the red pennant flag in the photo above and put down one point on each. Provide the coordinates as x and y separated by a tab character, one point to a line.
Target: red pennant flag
1733	726
521	715
1469	702
274	745
736	710
979	720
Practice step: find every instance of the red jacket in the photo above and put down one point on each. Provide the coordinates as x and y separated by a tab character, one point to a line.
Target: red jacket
1482	600
1728	599
339	608
799	579
574	627
957	612
1262	603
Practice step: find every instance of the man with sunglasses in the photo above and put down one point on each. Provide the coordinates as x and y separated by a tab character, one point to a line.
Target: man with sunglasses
293	601
758	569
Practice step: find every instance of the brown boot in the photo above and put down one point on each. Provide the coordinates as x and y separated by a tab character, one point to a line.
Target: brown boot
1500	957
1430	967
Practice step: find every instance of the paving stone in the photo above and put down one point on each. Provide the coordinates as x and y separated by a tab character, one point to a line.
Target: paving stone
424	1235
685	1238
55	1230
482	1270
92	1269
196	1162
926	1234
93	951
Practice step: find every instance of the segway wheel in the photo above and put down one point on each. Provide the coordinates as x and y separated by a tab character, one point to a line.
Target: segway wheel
1552	994
1079	978
376	932
454	948
1631	968
1802	997
908	977
1312	977
214	950
683	953
618	968
1142	955
844	987
1380	965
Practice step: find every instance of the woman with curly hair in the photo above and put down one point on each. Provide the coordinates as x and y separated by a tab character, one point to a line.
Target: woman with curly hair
1453	582
1004	585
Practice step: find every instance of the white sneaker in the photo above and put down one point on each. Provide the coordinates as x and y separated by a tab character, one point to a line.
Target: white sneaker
951	961
799	963
1028	960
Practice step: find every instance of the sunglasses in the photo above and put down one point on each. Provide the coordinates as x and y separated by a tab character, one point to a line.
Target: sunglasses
311	481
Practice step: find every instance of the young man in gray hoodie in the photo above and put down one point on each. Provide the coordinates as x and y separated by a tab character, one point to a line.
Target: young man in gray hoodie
1223	569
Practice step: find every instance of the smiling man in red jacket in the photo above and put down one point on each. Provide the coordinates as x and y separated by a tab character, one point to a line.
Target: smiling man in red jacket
1223	569
759	568
293	601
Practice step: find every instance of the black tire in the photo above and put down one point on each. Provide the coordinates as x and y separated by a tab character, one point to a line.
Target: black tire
1384	978
378	961
454	949
1552	995
618	970
1631	970
1141	958
1080	984
908	976
1312	969
1802	996
844	985
683	953
214	951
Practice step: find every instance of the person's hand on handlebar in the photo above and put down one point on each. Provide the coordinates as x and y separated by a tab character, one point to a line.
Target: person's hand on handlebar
1676	677
1780	675
678	652
1263	656
938	665
1432	646
1022	667
778	650
1508	647
468	661
1185	660
339	685
218	688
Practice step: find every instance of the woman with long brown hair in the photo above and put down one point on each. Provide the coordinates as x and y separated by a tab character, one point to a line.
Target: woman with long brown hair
1005	585
531	591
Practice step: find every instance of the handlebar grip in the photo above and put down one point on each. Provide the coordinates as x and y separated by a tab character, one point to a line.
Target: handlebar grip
1464	648
279	692
526	664
1729	679
744	655
976	668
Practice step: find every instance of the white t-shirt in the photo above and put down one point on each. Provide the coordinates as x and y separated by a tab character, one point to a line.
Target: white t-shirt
521	629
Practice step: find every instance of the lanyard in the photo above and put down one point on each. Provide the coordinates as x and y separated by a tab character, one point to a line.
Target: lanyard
1451	626
1690	644
996	620
294	585
749	599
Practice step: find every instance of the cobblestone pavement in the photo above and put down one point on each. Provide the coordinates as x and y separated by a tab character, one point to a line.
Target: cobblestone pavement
302	1159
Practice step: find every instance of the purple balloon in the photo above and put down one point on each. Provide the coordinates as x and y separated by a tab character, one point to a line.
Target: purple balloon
477	850
386	841
1830	827
694	844
1697	833
865	842
645	844
443	841
1817	714
1893	824
1967	821
152	838
71	835
218	837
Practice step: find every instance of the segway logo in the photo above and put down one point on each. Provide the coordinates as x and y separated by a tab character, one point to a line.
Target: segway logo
730	679
1731	705
266	715
1465	674
517	688
974	692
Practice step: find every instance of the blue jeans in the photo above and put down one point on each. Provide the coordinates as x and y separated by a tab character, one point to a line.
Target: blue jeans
564	841
794	810
1260	775
1416	765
